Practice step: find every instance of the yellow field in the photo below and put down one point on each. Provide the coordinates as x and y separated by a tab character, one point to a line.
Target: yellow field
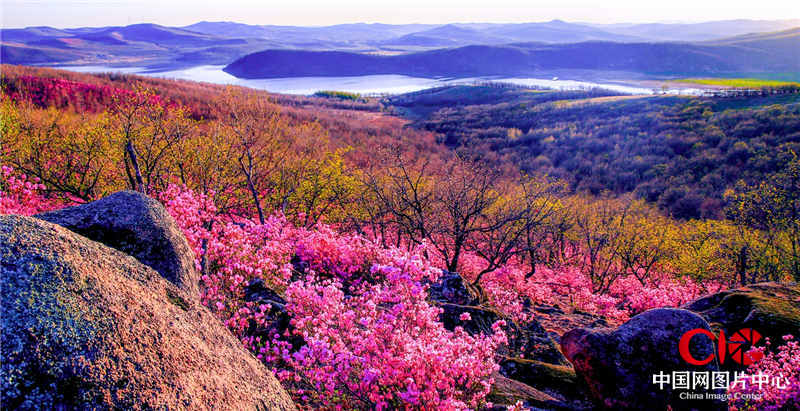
736	82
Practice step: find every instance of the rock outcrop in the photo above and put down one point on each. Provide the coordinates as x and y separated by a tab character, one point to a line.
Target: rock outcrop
450	288
529	340
618	364
506	392
85	326
772	309
558	381
136	225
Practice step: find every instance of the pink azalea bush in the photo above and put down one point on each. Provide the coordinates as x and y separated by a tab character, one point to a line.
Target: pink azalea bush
370	339
783	394
658	291
570	285
508	287
385	346
20	194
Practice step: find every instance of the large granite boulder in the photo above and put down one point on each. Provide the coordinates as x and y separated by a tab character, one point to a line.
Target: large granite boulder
136	225
772	309
618	364
85	326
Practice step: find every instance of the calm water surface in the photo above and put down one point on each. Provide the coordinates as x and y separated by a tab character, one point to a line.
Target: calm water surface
376	84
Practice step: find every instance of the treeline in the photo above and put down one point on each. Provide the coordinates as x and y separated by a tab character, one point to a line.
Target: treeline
254	156
463	207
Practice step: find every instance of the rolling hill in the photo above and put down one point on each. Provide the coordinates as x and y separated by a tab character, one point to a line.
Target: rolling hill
785	41
558	31
555	31
699	31
445	36
524	47
139	44
743	55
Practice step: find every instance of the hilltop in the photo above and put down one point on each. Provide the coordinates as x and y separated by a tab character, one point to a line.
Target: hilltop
774	53
149	45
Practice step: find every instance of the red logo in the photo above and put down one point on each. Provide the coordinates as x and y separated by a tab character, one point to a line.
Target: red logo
733	347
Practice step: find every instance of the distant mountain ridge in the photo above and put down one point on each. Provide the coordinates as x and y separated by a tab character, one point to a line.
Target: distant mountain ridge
220	43
699	31
137	44
555	31
769	53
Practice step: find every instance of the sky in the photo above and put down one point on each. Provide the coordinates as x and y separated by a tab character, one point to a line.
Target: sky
83	13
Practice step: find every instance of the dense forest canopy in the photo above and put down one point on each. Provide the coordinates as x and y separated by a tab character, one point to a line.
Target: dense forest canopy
681	153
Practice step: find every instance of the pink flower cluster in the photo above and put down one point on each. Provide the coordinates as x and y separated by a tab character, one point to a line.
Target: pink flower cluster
231	251
20	194
784	364
342	256
384	347
507	287
369	336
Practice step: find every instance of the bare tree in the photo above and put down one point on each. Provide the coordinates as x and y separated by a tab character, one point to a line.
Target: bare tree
400	197
598	231
261	139
457	206
150	130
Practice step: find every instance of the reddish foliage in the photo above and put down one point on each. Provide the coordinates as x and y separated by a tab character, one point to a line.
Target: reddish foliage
60	93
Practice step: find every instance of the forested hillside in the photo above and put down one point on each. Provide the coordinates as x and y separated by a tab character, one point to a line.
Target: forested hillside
755	54
681	153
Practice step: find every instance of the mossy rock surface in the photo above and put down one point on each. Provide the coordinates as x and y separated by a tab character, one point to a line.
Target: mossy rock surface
772	309
559	381
506	392
85	326
527	340
139	226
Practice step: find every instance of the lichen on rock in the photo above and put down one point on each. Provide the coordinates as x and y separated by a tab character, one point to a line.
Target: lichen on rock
86	326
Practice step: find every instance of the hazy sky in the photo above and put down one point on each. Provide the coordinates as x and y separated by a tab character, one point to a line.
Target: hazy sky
78	13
